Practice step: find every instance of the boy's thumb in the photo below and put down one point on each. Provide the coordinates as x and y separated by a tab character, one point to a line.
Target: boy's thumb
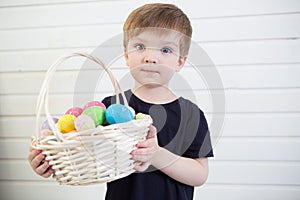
152	132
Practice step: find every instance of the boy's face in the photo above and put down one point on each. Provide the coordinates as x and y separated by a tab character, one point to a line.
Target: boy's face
153	57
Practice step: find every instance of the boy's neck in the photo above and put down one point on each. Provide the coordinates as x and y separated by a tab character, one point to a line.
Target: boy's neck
154	94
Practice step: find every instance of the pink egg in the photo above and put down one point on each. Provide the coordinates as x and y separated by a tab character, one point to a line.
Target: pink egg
46	132
76	111
94	103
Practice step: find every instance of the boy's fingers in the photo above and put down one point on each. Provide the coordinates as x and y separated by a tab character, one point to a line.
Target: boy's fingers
36	161
48	173
33	153
142	151
143	144
142	167
140	157
41	170
152	132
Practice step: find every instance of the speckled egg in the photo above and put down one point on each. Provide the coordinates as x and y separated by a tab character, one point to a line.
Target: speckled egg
94	103
46	125
97	113
84	122
66	123
118	113
46	132
140	116
76	111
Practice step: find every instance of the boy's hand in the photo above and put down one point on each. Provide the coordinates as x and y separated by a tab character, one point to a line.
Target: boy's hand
39	164
145	150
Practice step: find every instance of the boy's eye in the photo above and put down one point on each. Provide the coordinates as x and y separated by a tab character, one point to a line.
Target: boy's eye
139	46
166	50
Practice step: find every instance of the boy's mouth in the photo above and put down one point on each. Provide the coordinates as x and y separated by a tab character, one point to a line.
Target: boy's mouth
149	71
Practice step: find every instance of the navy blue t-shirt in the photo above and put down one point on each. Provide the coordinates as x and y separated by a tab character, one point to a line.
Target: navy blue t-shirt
182	129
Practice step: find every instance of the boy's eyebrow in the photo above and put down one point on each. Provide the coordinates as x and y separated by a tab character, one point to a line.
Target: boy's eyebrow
171	43
138	38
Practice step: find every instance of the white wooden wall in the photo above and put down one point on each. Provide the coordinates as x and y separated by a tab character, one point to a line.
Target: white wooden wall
254	44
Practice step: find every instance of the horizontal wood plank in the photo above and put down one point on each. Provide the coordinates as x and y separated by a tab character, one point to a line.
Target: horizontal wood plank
235	125
246	192
233	149
206	30
39	60
249	28
222	53
16	3
221	172
254	173
263	149
250	101
252	52
232	77
49	191
23	190
100	11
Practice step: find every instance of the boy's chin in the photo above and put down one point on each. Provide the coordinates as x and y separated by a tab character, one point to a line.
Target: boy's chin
150	85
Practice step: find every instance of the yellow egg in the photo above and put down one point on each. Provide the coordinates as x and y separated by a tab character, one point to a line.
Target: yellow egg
66	123
140	116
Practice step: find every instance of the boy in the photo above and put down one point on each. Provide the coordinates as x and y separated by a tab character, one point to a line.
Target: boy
173	158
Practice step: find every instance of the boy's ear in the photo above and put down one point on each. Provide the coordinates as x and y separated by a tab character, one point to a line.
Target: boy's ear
125	55
181	63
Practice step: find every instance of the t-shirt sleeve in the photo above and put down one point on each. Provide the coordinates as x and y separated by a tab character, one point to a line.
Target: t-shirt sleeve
107	101
199	141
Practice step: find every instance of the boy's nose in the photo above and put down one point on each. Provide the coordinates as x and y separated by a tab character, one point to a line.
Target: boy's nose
150	60
150	56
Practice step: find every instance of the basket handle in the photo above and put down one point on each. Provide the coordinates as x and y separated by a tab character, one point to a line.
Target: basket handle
44	92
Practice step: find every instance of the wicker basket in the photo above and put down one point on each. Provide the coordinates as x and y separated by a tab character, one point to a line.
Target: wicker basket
92	156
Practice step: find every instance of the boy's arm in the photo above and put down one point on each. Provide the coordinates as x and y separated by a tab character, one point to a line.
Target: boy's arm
189	171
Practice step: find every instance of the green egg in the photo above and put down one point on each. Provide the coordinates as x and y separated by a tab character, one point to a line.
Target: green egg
97	113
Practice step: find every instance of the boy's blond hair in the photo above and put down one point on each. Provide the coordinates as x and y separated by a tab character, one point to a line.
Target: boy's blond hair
158	15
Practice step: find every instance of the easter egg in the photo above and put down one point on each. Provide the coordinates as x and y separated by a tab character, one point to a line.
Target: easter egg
84	122
97	113
94	103
76	111
46	125
66	123
46	132
118	113
140	116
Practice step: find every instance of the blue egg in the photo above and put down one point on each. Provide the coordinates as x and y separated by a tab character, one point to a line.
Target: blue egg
118	113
